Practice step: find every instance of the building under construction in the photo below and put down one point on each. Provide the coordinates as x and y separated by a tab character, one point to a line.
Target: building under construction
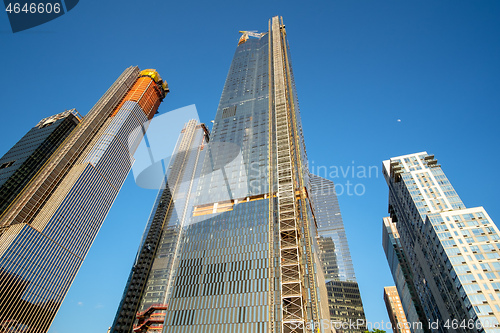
243	255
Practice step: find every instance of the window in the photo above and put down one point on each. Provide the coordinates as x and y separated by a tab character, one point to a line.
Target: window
477	299
466	233
493	255
6	164
487	247
479	256
496	266
229	111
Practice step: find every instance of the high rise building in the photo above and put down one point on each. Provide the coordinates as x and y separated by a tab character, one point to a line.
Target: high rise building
144	302
450	252
21	163
401	273
248	262
245	256
49	228
344	299
395	310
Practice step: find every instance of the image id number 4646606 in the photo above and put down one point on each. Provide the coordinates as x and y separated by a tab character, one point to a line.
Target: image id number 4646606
34	8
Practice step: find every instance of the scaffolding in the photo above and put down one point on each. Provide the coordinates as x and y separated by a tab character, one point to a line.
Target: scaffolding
292	287
272	209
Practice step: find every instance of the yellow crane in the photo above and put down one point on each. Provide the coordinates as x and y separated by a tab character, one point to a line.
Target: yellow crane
247	34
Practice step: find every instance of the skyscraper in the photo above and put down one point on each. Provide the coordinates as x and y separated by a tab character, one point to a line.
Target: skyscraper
247	261
144	299
344	298
246	256
401	273
47	231
21	163
395	310
451	252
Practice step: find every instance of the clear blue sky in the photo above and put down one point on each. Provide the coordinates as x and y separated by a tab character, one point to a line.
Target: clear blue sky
359	65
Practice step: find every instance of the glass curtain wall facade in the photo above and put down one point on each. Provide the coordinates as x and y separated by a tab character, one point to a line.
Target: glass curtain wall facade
344	298
221	282
48	230
21	163
148	287
401	273
452	252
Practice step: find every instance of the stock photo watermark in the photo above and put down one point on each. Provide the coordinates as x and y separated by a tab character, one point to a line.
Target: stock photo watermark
25	15
348	179
226	165
383	325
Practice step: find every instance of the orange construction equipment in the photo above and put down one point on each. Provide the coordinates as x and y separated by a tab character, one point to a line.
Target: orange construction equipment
148	91
149	319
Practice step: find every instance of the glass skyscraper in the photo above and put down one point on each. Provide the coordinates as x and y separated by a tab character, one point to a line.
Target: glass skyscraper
148	287
21	163
344	298
401	273
49	228
244	257
448	254
247	261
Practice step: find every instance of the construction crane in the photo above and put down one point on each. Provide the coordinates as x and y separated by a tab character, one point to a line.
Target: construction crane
246	34
253	33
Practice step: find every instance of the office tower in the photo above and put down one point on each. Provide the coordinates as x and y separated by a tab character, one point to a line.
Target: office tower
344	299
144	299
452	252
395	310
47	231
29	154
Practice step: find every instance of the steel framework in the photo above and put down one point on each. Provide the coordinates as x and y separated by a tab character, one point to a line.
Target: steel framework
292	284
